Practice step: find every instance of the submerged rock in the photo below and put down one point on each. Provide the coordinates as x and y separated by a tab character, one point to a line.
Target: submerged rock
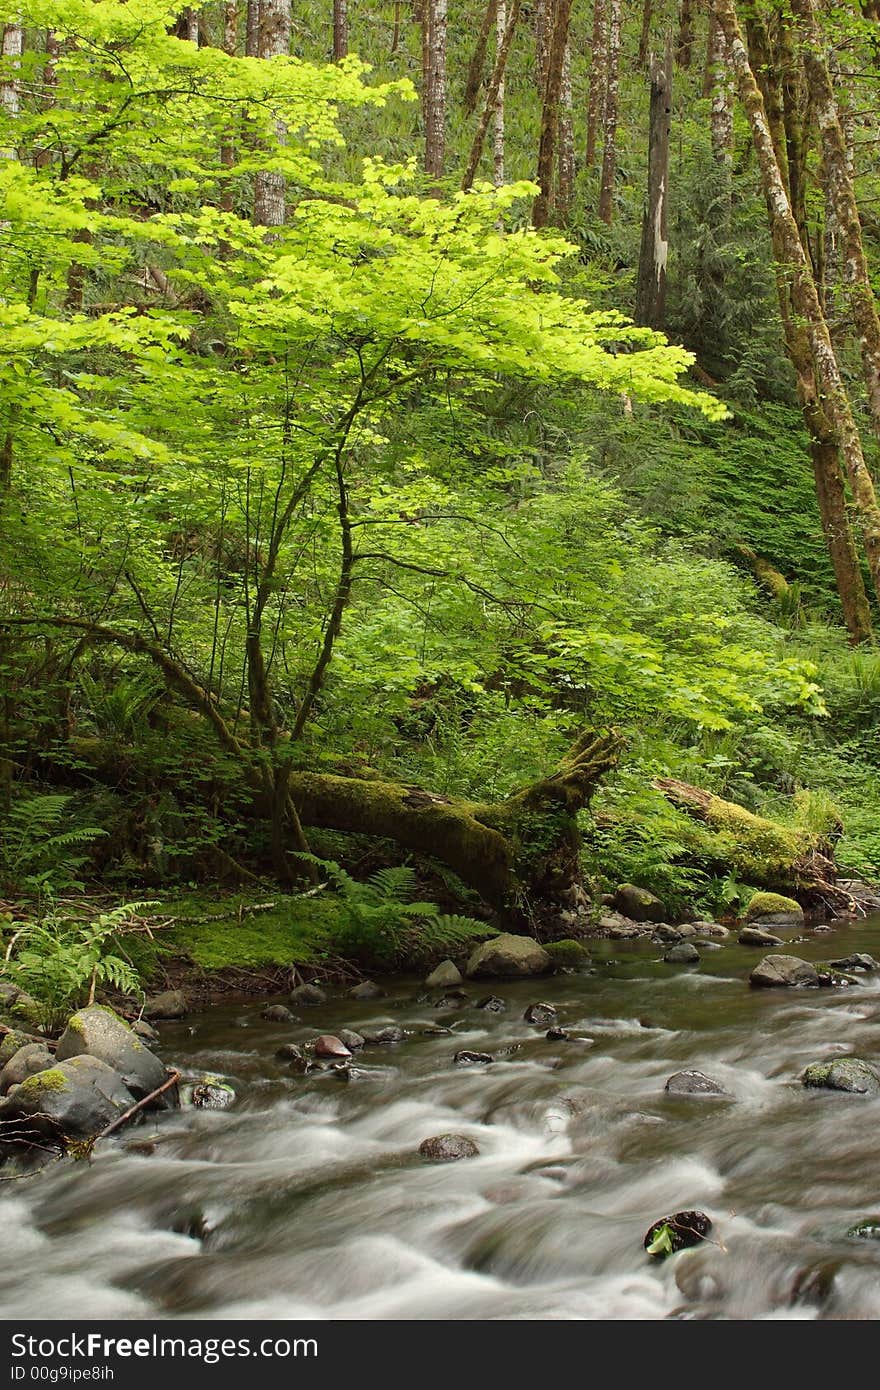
388	1033
351	1039
508	957
444	975
843	1074
492	1004
452	999
465	1058
758	936
366	990
557	1035
682	953
542	1015
859	960
677	1232
289	1052
775	971
567	954
74	1099
694	1083
327	1045
27	1061
171	1004
307	996
866	1229
446	1148
639	904
278	1013
99	1032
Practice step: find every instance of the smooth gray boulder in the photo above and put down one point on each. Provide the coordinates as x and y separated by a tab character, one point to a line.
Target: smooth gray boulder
850	1074
859	960
11	1043
711	929
75	1099
367	990
171	1004
694	1083
25	1062
99	1032
758	936
443	975
775	971
639	904
308	996
508	957
682	953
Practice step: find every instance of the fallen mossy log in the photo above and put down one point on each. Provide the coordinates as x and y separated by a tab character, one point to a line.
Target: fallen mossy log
763	853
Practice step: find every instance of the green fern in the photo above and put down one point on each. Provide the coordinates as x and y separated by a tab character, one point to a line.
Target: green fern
36	854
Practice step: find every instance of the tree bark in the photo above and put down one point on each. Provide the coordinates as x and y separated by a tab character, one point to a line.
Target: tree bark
598	79
252	36
645	35
269	187
550	112
340	30
10	88
478	57
543	12
565	172
719	88
793	262
434	79
650	308
684	49
498	113
227	148
609	151
494	102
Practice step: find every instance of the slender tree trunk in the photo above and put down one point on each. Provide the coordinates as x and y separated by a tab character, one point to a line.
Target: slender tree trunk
491	104
498	113
191	26
269	187
650	307
434	50
550	112
598	79
227	148
252	36
609	152
645	35
565	177
792	259
340	29
721	91
478	58
860	294
395	32
9	88
685	45
543	11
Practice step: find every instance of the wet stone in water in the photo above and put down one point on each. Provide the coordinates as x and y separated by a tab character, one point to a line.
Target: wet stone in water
329	1046
390	1033
446	1148
366	990
289	1052
351	1039
844	1074
683	953
866	1229
452	999
694	1083
542	1015
557	1035
492	1004
677	1232
860	960
308	996
212	1094
465	1058
278	1013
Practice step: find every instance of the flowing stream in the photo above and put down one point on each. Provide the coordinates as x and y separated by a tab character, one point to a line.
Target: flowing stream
309	1199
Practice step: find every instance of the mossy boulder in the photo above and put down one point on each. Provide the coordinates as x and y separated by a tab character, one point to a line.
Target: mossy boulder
638	904
844	1074
774	910
99	1032
73	1100
25	1062
567	954
11	1043
508	957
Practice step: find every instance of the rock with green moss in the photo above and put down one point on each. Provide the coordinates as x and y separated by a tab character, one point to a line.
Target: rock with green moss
73	1100
774	910
567	954
99	1032
638	904
850	1074
866	1229
10	1043
25	1062
508	957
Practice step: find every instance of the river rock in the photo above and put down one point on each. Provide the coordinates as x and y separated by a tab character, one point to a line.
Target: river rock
492	1004
859	960
774	910
446	1148
567	954
74	1099
388	1033
621	930
27	1061
758	936
289	1052
99	1032
639	904
465	1058
866	1229
714	929
542	1015
452	999
170	1005
308	996
278	1013
145	1031
351	1039
329	1046
677	1232
556	1034
682	953
775	971
212	1094
366	990
844	1074
664	932
694	1083
11	1043
508	957
444	975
